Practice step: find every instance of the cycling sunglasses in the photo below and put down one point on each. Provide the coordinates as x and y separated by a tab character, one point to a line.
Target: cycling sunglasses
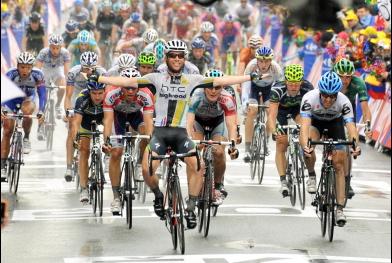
175	55
331	96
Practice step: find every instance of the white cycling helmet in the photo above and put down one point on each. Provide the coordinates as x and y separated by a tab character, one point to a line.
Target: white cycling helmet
255	41
130	73
228	18
206	27
126	61
55	39
150	35
176	45
89	59
26	58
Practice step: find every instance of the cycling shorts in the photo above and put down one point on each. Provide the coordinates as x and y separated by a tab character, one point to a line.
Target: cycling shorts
135	120
53	74
256	92
283	113
176	138
335	129
216	126
226	44
87	119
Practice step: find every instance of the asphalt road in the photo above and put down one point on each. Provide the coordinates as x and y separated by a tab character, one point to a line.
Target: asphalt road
255	224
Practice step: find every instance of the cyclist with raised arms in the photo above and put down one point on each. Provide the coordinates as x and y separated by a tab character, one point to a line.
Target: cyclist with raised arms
76	82
285	101
171	90
258	92
353	86
55	63
214	108
124	61
328	108
88	108
31	81
83	43
121	105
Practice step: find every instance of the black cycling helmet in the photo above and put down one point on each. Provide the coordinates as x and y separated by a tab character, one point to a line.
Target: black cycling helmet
35	17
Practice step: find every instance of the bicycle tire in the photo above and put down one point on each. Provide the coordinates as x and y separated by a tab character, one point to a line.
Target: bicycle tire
253	151
300	176
261	156
322	203
128	194
208	206
11	163
170	218
17	164
75	170
331	204
180	220
50	129
100	180
93	184
348	182
292	189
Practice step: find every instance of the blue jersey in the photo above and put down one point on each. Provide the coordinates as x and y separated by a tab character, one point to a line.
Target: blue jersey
33	84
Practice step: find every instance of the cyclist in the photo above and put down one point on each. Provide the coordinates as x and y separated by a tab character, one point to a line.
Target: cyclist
84	42
137	22
248	53
31	81
182	24
54	62
124	61
149	37
106	31
211	40
230	36
78	10
244	13
327	108
214	108
221	8
258	92
146	63
85	24
123	104
34	38
139	43
71	32
124	14
285	102
88	107
188	68
199	57
210	16
172	88
353	86
128	35
76	82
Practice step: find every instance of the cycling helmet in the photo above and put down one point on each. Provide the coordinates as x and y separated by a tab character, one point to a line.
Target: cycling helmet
136	17
88	59
147	58
124	7
84	37
210	10
213	73
264	53
78	2
198	43
126	61
344	67
55	39
330	83
255	41
93	85
71	26
35	17
25	58
294	72
228	18
159	48
107	3
130	73
206	26
150	35
176	45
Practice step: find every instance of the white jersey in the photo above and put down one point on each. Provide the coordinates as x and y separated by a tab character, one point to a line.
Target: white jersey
274	73
189	68
311	107
49	62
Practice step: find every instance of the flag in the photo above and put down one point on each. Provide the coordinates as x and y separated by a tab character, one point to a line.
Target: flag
9	90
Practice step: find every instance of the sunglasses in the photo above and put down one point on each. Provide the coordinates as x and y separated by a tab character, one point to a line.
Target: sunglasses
330	96
176	55
345	76
215	88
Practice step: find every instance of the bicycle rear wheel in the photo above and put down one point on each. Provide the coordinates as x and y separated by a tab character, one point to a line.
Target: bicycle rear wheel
290	180
261	154
171	220
331	204
300	177
93	185
348	181
323	203
17	163
100	180
254	162
179	215
128	193
208	198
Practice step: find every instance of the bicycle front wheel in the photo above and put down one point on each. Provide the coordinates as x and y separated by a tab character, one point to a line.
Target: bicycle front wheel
300	177
93	185
254	163
331	203
129	193
291	167
208	198
262	153
49	129
17	159
323	203
100	180
178	212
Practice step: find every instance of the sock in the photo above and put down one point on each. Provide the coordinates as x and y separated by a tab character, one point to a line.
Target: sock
191	203
283	178
247	146
116	191
218	185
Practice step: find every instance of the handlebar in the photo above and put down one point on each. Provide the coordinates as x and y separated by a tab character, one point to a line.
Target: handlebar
20	116
292	126
257	105
330	142
211	142
130	136
173	155
55	87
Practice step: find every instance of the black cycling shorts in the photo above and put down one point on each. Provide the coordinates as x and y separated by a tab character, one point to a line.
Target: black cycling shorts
284	113
335	128
176	138
256	92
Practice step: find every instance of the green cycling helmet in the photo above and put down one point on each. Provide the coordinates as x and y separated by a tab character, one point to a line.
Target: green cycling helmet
147	58
294	72
344	67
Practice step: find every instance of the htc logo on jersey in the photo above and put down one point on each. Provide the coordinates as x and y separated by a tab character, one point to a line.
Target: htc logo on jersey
173	92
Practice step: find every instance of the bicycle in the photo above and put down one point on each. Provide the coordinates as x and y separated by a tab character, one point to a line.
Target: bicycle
295	166
139	181
49	114
258	148
173	202
127	189
15	158
96	178
205	202
75	159
325	197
